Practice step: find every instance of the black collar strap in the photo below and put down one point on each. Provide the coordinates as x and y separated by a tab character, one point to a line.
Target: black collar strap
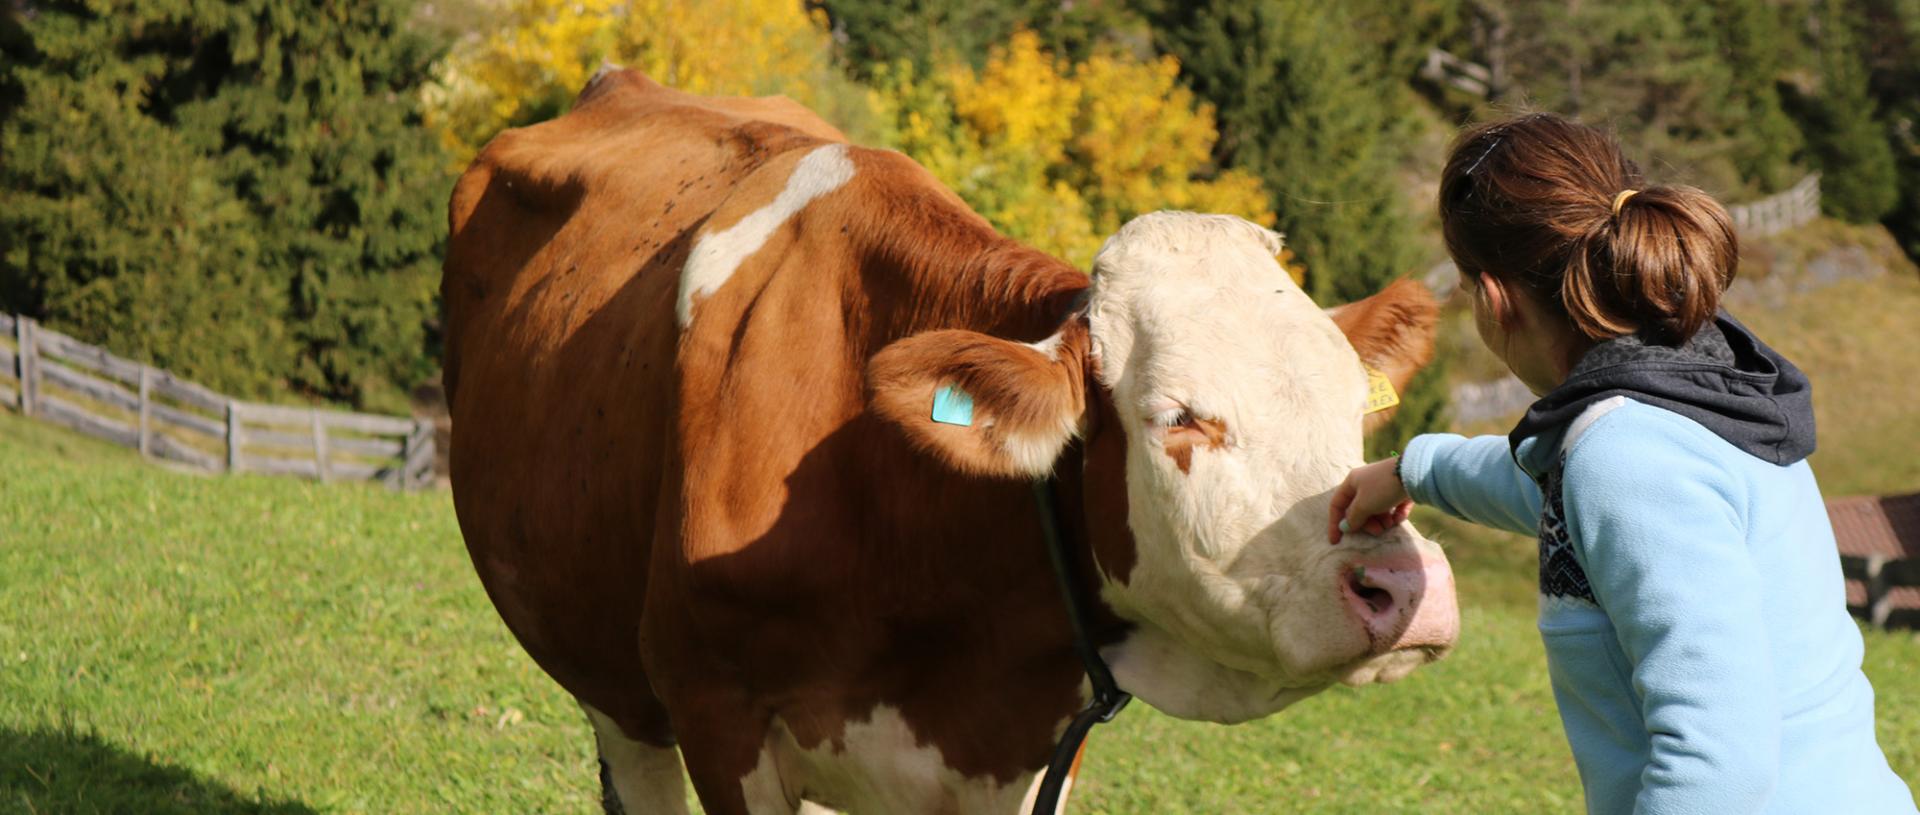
1108	698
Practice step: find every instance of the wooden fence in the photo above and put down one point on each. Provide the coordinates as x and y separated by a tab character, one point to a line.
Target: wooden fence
1443	68
53	377
1793	207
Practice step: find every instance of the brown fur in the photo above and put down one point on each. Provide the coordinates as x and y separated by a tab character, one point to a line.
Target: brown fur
1016	391
1393	333
1180	442
696	532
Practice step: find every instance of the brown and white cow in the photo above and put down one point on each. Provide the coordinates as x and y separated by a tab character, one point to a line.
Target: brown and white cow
692	348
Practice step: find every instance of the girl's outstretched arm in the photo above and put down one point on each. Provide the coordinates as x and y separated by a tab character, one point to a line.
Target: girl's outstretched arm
1472	479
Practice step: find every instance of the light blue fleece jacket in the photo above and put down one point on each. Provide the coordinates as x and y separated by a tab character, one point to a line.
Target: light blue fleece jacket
1693	612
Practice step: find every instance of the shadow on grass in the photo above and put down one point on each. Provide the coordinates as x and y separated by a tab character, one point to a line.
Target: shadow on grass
66	771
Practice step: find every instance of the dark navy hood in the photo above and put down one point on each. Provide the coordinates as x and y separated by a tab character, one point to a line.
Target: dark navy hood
1724	378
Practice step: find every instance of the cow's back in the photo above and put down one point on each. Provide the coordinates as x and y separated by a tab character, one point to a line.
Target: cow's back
567	244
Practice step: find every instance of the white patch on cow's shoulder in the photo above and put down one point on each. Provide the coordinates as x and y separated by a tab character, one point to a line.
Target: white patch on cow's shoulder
877	765
718	255
645	778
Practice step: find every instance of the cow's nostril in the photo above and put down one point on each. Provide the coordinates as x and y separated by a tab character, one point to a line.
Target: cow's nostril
1378	600
1403	602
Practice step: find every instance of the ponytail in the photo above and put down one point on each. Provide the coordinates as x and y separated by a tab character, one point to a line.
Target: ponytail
1554	206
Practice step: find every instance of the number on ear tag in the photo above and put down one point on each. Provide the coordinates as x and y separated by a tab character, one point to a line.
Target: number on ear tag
1380	392
952	405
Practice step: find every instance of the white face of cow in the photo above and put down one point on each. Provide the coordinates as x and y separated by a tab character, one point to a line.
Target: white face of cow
1242	404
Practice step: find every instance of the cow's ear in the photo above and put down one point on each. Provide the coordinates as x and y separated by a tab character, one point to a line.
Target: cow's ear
981	404
1393	332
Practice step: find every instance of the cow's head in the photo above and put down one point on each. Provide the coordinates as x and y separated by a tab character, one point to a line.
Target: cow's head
1220	407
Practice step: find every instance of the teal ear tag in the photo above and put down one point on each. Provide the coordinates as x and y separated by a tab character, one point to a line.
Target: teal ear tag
952	405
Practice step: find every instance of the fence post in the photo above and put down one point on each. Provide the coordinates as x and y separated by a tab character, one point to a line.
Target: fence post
233	436
28	366
425	428
146	412
419	440
320	448
400	479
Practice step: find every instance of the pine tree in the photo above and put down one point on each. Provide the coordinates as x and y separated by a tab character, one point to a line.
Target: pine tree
1401	32
1756	45
1840	118
1302	105
1689	88
242	192
1894	49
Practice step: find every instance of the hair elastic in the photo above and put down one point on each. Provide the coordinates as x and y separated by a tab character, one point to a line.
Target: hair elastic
1622	199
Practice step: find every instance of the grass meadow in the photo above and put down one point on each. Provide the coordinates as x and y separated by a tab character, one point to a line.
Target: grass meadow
172	643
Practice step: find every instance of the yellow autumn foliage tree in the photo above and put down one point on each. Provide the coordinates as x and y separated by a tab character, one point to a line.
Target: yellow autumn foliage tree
1058	154
534	61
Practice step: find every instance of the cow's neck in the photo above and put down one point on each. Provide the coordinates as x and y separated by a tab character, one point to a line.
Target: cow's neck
1090	537
1180	681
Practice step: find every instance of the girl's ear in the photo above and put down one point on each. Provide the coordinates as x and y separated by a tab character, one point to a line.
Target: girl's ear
1499	301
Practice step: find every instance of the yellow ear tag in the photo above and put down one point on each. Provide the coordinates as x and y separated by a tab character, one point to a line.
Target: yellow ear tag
1380	392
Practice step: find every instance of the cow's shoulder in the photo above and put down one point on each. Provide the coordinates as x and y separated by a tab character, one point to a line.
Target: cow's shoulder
627	134
629	90
617	188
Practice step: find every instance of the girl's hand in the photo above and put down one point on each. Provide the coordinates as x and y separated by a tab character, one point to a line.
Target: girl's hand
1370	500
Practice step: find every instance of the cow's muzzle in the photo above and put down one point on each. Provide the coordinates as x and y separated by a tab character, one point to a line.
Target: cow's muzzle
1403	600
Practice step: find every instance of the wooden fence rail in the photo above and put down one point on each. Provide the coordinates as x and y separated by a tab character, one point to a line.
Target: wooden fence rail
56	378
1793	207
1443	68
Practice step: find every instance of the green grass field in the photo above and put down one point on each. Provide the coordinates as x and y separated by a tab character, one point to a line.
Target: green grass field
178	643
172	643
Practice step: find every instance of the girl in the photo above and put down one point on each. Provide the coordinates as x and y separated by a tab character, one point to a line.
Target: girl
1691	598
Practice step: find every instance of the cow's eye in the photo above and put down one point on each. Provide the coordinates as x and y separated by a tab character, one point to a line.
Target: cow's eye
1179	430
1173	417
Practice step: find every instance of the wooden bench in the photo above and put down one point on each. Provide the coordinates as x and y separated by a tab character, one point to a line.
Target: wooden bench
1879	541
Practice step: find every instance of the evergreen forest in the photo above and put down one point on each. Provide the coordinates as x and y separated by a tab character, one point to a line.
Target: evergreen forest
252	193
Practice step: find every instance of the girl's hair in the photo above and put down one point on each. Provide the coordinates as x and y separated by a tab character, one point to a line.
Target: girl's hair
1533	199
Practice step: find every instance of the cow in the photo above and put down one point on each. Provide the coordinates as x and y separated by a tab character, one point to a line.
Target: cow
744	424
